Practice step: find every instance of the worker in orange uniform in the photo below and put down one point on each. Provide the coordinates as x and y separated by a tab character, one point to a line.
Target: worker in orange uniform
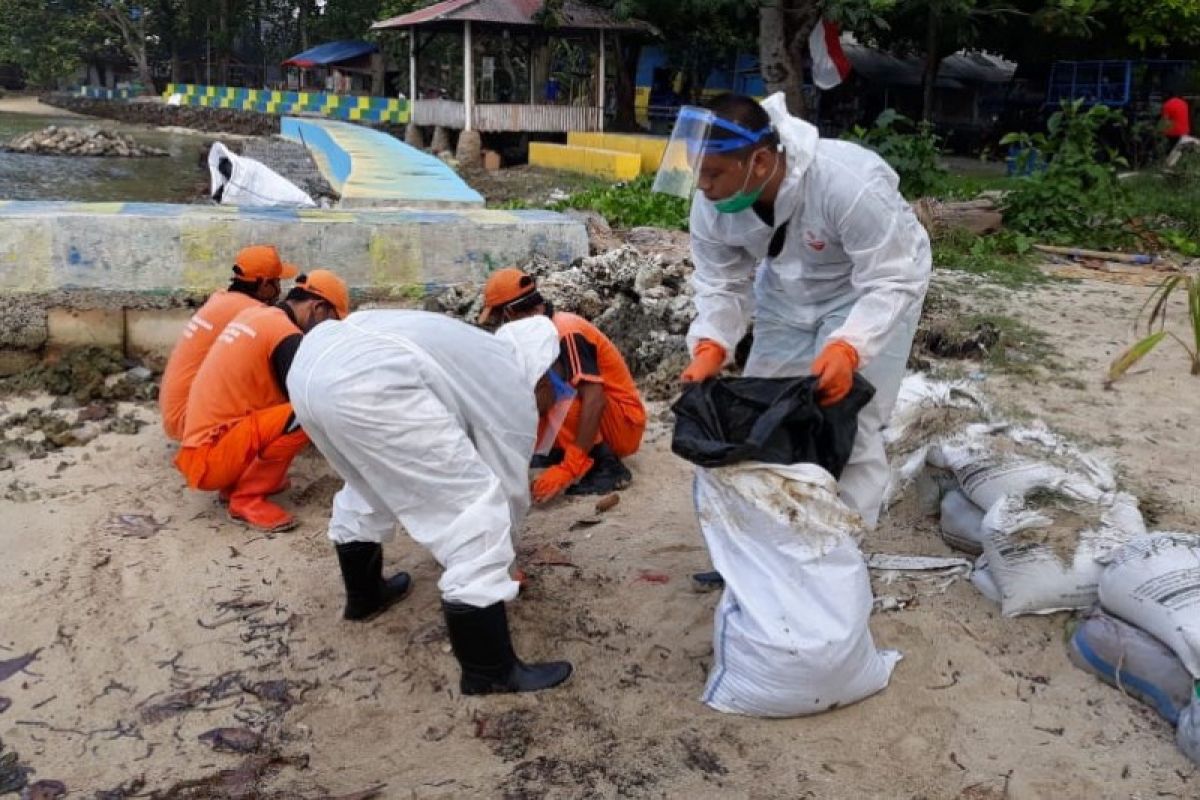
256	274
606	420
241	434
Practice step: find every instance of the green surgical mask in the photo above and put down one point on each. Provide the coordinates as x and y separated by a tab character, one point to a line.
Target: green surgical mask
743	199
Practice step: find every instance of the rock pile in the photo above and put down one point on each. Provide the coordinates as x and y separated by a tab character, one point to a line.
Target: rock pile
642	302
57	141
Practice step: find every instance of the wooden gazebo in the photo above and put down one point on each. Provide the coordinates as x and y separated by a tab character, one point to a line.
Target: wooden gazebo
522	19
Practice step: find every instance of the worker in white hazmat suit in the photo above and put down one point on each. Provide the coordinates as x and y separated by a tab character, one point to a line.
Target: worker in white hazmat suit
431	422
811	239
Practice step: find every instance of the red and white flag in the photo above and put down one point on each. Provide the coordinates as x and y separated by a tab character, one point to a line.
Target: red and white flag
829	64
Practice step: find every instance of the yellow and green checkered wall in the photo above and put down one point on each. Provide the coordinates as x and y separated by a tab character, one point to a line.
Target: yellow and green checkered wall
336	106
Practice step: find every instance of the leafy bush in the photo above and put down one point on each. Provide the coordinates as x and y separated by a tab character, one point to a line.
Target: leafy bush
628	205
909	148
1077	194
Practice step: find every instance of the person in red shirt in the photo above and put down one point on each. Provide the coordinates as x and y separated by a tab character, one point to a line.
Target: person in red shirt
606	420
1177	119
241	435
256	274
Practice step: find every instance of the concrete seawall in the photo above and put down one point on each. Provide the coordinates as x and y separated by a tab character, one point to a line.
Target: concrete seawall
77	273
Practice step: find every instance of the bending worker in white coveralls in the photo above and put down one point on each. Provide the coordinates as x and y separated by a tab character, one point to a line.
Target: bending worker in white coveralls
811	239
431	422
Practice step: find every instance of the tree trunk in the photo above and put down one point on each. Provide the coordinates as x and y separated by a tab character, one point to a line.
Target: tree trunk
143	67
784	26
779	73
932	61
628	52
223	39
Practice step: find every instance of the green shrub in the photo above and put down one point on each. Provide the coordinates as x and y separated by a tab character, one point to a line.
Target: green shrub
628	205
1077	193
909	148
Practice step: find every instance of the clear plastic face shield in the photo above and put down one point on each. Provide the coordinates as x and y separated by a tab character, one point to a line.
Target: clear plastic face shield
552	421
699	133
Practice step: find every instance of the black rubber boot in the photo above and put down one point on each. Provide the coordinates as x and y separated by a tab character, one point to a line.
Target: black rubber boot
607	474
707	582
367	593
483	646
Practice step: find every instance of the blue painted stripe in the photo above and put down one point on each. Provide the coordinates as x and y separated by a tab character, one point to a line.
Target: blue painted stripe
315	137
1157	697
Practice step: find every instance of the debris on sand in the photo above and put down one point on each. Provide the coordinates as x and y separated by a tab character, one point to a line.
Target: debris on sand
85	374
233	740
13	774
135	526
44	790
643	303
14	665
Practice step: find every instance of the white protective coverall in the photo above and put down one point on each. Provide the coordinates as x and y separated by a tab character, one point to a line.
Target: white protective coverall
855	266
431	422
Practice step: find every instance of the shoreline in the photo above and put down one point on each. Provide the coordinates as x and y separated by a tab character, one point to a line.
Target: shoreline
30	105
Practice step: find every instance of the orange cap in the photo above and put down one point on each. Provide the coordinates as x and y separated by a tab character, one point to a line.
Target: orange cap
504	286
262	261
329	287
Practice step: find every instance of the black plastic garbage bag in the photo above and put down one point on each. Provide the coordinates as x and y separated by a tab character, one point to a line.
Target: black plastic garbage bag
776	420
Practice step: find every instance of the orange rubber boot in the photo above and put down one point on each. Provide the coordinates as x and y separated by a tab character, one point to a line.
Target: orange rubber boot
248	501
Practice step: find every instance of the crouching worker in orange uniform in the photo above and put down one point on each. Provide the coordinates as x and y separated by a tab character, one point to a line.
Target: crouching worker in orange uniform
241	435
606	420
256	273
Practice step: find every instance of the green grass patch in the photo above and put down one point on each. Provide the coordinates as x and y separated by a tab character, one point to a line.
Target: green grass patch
1006	258
958	186
1021	349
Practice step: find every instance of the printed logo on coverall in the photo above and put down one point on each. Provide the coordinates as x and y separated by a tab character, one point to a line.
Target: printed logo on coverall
813	242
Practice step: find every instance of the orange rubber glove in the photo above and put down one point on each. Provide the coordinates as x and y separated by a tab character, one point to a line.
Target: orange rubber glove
555	480
834	369
707	360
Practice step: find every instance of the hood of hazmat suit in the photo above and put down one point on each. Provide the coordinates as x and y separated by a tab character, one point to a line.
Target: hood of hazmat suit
431	422
534	342
851	240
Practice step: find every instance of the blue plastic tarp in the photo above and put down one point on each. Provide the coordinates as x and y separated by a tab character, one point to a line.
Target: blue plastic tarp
331	53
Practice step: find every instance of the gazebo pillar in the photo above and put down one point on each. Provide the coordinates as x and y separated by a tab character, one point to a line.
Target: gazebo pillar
470	145
601	87
412	133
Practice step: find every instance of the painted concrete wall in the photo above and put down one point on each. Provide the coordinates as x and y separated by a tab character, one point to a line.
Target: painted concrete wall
266	101
75	273
650	148
611	164
151	247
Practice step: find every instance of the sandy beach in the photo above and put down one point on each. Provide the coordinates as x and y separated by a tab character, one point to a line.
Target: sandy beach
153	619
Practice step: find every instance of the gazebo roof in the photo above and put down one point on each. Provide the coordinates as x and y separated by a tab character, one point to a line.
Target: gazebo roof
331	53
572	16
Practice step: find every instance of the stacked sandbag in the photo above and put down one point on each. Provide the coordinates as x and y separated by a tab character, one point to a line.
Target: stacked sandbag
1153	582
1042	514
1187	734
791	634
1132	660
926	411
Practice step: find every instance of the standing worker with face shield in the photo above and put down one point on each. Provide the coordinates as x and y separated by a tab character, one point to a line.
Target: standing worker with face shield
431	423
256	273
241	434
811	239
